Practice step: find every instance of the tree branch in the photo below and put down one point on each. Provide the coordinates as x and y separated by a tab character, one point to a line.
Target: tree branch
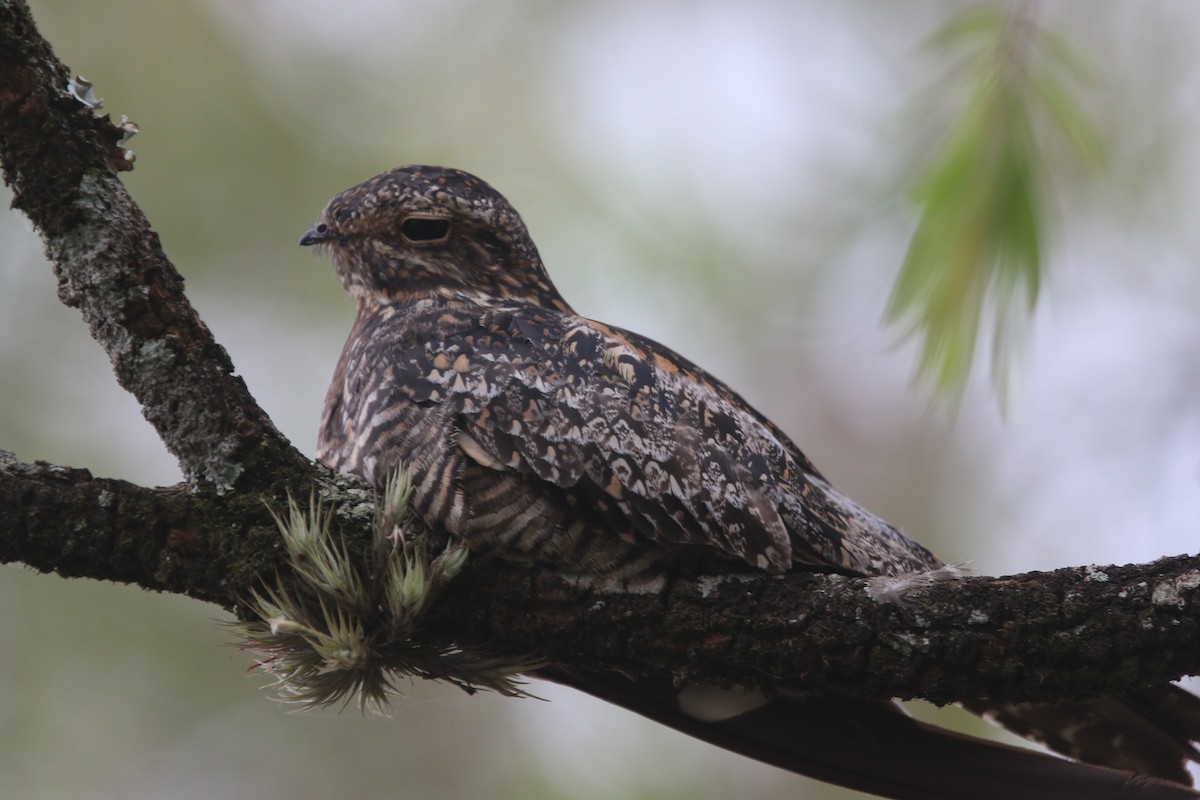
59	157
1058	635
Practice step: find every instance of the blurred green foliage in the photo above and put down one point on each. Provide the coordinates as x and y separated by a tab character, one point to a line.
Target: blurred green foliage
981	240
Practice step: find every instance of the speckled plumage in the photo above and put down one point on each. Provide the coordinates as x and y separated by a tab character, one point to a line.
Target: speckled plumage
539	434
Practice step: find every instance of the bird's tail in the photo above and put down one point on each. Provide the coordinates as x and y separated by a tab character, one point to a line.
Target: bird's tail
870	746
1150	731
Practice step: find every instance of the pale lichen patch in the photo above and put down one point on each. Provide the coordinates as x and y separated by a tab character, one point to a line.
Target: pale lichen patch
1175	591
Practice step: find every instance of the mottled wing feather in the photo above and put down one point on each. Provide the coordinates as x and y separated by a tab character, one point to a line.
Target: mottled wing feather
635	440
613	435
670	443
597	415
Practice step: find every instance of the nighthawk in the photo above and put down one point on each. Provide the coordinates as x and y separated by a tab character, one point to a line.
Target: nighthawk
535	433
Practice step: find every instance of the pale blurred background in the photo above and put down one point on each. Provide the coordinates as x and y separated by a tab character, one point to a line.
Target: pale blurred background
729	178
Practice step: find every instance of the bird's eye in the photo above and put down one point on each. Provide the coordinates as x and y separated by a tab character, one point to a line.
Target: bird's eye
424	229
321	229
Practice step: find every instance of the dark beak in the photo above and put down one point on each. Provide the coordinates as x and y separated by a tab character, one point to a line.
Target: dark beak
316	235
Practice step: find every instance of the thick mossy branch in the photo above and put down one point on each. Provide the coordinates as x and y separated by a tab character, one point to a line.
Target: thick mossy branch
60	159
62	520
1056	635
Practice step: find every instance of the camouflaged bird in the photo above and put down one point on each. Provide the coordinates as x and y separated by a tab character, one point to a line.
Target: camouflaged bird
539	434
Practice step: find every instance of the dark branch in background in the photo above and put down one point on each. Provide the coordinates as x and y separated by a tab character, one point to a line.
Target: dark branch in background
1064	634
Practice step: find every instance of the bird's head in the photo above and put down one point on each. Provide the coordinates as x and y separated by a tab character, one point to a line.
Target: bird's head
415	232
